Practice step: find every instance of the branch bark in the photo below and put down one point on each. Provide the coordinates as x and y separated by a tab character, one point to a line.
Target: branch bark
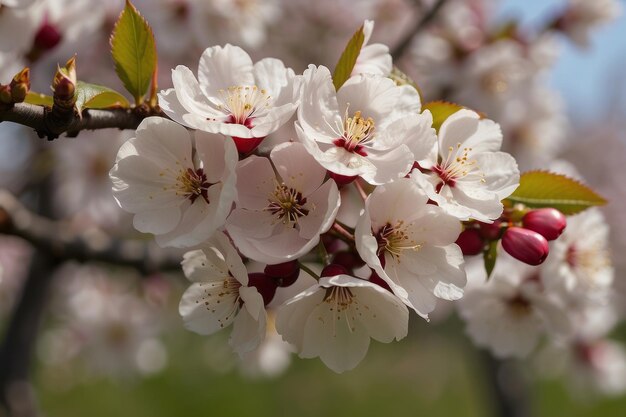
402	46
43	120
56	239
508	388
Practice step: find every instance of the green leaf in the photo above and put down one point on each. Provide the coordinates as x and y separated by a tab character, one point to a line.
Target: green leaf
92	96
441	110
348	58
38	99
134	52
546	189
490	254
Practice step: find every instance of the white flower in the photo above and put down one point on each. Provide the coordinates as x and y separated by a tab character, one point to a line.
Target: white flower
583	16
220	296
464	172
180	197
281	210
579	265
510	312
370	127
410	245
373	59
336	318
232	96
20	4
17	28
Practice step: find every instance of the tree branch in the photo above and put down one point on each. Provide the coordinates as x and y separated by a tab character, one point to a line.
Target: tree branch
43	119
56	239
400	49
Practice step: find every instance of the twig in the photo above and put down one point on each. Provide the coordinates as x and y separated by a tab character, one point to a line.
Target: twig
46	125
56	239
507	386
360	189
421	24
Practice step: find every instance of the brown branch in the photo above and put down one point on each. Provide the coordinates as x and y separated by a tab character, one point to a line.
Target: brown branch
421	24
47	123
56	239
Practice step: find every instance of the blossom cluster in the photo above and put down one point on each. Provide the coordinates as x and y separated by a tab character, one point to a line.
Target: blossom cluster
202	181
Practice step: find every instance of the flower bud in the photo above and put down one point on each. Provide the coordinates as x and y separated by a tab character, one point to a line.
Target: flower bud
47	37
20	85
334	270
491	231
285	274
64	85
347	259
266	286
525	245
548	222
471	242
5	94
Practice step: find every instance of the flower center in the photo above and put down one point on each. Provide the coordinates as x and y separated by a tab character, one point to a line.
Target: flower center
288	204
340	297
193	184
243	103
394	240
457	165
519	306
357	131
590	260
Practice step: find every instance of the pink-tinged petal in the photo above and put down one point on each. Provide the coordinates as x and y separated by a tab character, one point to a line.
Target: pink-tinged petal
501	173
323	205
466	128
473	203
385	317
400	200
271	75
250	224
206	265
274	119
338	344
158	220
231	256
164	142
293	314
374	59
250	325
318	114
191	97
434	226
256	181
205	309
390	165
224	67
297	168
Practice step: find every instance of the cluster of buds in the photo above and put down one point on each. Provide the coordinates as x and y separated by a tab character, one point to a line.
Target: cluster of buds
525	239
16	91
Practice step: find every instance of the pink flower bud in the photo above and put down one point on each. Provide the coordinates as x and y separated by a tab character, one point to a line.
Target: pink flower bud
47	37
525	245
265	285
349	260
491	231
471	242
548	222
334	270
285	274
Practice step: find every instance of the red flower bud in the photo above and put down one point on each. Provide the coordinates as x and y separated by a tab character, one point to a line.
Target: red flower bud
47	37
285	274
265	285
334	270
491	231
525	245
548	222
349	260
471	242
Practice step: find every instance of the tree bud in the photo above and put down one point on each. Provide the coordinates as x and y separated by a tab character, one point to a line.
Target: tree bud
20	85
471	242
525	245
5	94
47	37
285	274
334	270
266	286
548	222
491	231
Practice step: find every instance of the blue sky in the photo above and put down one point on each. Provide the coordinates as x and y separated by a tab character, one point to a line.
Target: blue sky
585	78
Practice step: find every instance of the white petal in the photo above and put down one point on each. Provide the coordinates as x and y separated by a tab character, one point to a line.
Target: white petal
204	308
297	168
224	67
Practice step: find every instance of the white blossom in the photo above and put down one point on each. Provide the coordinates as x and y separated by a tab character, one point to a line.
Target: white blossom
336	318
180	197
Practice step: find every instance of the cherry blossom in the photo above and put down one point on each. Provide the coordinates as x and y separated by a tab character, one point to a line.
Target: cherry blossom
373	59
465	173
179	196
282	206
220	296
370	127
410	245
336	318
233	96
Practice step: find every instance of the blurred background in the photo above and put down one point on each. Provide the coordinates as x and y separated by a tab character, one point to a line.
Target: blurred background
107	339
